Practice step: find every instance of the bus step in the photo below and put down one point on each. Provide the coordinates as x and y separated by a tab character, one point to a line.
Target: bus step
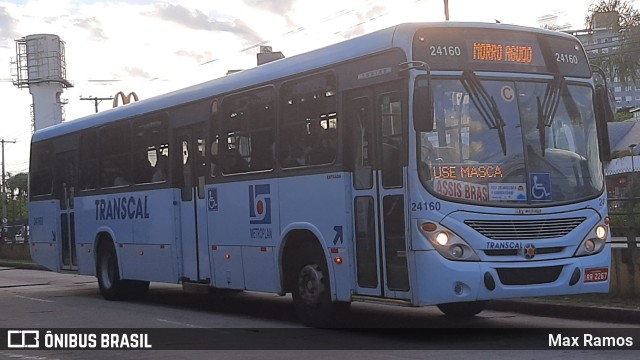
377	300
196	287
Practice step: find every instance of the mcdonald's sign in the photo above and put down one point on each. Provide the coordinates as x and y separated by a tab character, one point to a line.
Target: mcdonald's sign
125	98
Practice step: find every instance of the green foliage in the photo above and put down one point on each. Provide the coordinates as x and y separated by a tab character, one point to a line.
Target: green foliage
17	197
623	115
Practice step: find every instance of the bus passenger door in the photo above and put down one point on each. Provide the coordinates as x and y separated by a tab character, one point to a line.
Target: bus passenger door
190	175
376	136
65	185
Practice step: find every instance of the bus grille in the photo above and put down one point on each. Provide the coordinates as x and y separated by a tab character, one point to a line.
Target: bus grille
525	229
529	276
514	252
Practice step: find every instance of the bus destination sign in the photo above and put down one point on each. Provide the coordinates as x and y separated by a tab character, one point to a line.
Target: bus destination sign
497	50
502	53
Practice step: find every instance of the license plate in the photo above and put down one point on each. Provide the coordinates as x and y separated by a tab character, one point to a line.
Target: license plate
596	275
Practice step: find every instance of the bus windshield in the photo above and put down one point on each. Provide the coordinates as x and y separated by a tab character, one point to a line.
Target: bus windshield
510	142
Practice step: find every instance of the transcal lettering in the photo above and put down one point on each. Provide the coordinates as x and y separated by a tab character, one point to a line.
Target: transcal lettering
122	208
504	245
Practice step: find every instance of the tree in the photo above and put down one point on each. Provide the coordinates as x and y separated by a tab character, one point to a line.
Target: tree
18	184
619	17
17	187
627	18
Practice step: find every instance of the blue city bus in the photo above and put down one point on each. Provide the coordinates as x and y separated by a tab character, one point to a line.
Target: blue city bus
438	164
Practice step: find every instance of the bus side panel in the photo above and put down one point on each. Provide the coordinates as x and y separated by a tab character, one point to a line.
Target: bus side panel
85	212
148	262
94	213
243	214
260	269
320	200
227	265
154	256
44	238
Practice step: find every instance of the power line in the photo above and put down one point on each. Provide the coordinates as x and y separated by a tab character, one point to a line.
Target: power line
96	100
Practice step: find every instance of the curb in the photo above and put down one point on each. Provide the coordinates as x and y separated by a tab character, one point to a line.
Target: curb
21	265
548	309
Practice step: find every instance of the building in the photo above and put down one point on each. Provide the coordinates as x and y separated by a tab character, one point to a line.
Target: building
601	41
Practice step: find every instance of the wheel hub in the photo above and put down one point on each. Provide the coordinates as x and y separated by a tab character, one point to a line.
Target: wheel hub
310	284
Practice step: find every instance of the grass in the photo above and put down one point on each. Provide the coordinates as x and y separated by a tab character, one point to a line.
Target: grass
20	263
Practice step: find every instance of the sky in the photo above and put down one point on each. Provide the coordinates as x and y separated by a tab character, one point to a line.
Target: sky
153	47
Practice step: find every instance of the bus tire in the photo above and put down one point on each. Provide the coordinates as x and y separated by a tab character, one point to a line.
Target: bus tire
463	309
312	294
109	282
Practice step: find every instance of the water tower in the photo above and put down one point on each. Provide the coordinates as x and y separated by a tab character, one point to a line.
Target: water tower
40	66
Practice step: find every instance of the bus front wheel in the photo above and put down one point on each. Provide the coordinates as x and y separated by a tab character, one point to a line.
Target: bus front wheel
109	282
312	294
463	309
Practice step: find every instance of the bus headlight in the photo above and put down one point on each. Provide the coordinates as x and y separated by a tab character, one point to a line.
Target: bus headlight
594	242
447	243
442	238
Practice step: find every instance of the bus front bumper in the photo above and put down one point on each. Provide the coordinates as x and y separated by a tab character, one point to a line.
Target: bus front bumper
443	281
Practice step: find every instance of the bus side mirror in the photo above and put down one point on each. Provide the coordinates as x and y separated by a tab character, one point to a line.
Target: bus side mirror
422	106
604	115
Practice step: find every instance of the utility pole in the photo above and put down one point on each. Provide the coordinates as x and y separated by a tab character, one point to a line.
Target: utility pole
4	190
446	10
96	100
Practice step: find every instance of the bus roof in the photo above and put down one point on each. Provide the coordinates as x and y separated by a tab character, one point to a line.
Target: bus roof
397	36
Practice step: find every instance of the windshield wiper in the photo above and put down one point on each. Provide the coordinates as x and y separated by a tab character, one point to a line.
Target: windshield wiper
548	107
486	106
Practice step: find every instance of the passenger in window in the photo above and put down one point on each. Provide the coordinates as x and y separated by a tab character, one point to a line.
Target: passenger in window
119	179
263	149
232	162
325	150
160	171
142	168
215	159
297	153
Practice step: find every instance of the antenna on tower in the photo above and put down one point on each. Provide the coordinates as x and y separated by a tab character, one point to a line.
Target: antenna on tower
40	65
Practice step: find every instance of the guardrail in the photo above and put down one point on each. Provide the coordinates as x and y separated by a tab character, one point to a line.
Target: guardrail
624	213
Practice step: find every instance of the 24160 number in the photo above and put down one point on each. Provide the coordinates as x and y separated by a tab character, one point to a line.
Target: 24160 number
445	50
426	205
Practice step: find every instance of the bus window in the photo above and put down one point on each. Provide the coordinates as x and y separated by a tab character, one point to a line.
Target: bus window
151	151
360	138
115	162
88	171
41	169
215	159
248	122
392	140
308	135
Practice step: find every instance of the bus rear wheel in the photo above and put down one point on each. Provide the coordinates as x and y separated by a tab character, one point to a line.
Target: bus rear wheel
312	295
463	309
109	282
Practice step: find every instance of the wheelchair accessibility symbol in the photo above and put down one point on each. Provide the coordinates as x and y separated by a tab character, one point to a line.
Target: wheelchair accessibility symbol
540	186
